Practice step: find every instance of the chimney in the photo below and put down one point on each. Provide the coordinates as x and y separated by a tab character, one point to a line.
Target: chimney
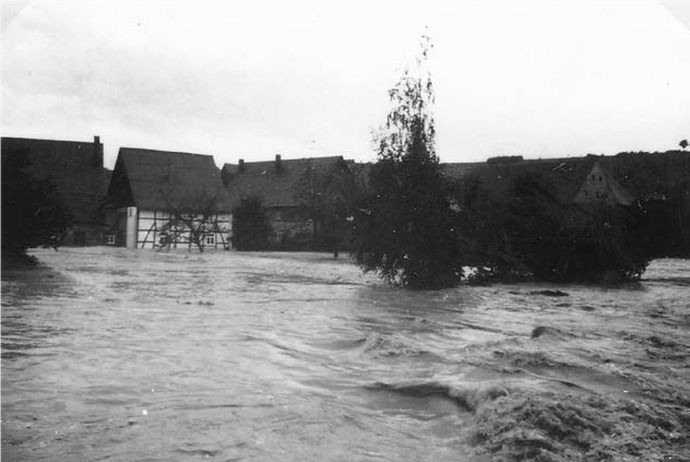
241	167
279	163
97	152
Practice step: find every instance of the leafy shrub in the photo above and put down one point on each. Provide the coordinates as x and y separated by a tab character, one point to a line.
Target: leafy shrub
250	227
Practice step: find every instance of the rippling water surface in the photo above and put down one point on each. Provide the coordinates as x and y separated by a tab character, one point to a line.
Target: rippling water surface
110	354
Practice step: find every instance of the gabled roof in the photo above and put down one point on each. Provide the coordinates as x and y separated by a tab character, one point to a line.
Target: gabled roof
74	167
276	186
563	176
164	180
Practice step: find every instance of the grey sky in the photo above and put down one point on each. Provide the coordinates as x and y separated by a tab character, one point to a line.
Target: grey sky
252	80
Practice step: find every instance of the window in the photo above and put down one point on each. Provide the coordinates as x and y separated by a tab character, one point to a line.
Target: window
110	239
210	239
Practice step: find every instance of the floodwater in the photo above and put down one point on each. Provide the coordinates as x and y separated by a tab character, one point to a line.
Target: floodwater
119	355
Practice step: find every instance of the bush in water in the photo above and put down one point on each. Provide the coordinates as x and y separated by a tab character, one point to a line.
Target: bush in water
250	226
527	234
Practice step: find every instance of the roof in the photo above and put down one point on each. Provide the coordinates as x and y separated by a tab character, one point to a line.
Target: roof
276	186
650	175
563	176
638	175
362	173
459	169
74	167
163	180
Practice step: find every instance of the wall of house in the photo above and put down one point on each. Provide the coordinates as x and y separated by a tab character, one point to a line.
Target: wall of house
81	234
154	231
596	188
116	228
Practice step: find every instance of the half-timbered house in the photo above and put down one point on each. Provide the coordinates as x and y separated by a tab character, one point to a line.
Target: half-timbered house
168	200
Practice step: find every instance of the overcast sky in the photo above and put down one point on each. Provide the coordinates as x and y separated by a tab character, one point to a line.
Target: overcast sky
252	80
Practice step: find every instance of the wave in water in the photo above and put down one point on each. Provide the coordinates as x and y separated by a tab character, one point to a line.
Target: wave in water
377	346
467	396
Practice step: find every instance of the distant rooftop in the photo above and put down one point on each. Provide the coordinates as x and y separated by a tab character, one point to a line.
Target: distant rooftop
275	181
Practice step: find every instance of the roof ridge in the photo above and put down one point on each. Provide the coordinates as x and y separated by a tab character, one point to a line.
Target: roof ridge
282	159
161	151
46	140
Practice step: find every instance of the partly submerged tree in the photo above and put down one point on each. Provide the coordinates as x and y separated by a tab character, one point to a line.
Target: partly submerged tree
194	219
198	224
683	144
250	226
525	232
404	228
32	213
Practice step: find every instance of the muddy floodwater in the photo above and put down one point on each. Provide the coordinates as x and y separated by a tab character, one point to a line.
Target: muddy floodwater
120	355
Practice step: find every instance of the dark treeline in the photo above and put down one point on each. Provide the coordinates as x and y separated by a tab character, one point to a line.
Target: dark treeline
422	236
524	234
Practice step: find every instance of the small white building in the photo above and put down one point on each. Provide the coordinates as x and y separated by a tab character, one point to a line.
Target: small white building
171	200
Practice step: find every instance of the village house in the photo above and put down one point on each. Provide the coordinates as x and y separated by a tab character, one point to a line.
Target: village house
571	180
168	200
76	170
288	190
